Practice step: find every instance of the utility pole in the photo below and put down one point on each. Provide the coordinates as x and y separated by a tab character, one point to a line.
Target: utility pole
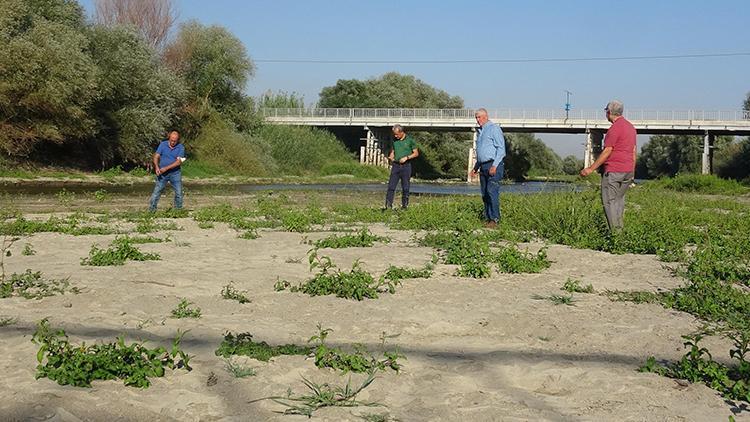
567	103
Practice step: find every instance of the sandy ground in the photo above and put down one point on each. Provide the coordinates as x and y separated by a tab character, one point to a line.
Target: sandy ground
480	350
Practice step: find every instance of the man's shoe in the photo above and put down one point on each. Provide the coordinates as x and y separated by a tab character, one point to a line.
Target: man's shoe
490	224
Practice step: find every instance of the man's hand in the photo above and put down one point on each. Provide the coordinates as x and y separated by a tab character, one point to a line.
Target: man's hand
493	170
403	160
585	172
157	170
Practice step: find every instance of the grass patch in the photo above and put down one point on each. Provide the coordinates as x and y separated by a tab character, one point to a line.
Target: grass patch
6	321
70	225
362	239
557	299
360	360
31	285
355	284
321	396
183	310
237	370
242	344
230	293
79	365
120	251
28	250
698	366
576	286
701	183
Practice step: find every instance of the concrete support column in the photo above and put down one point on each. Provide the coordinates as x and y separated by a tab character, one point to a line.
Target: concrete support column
593	147
708	153
472	158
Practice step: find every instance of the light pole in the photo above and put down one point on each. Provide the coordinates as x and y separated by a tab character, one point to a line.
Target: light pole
567	103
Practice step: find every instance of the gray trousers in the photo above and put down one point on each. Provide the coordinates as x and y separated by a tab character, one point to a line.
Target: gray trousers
614	186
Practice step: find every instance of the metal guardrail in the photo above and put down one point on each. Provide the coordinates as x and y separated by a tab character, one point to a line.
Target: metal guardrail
503	114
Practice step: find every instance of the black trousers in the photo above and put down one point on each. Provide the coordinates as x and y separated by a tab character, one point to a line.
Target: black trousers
400	172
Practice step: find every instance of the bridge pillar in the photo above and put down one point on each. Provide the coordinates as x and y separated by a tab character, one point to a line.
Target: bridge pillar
708	153
593	147
470	177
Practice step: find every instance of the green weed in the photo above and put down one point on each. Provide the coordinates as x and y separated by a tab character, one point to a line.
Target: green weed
79	365
120	251
28	250
510	259
321	396
183	310
362	239
101	195
243	345
6	321
31	285
556	299
394	273
360	360
230	293
65	197
237	370
698	365
355	284
574	286
70	225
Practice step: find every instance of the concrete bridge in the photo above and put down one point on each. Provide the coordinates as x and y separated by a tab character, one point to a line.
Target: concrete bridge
376	124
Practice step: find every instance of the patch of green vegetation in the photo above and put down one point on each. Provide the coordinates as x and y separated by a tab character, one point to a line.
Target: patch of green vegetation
6	321
557	299
101	195
355	284
700	183
510	259
120	251
79	365
362	239
183	310
28	250
575	286
360	360
230	293
70	225
31	285
237	370
65	197
322	396
394	273
733	381
242	344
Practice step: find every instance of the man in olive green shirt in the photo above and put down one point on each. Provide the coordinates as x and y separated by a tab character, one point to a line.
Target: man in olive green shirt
403	151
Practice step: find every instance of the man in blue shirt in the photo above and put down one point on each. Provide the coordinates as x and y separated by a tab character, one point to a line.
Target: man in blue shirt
489	165
167	161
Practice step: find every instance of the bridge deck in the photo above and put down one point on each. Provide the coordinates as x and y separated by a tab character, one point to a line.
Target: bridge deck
541	121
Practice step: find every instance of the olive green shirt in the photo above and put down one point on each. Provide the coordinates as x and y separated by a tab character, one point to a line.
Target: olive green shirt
403	147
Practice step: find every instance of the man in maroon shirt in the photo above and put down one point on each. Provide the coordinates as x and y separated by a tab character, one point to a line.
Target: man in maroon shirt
618	159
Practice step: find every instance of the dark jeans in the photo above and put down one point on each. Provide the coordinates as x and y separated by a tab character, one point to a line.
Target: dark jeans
174	178
400	172
490	187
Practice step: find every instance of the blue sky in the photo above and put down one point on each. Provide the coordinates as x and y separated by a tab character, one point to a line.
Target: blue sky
426	30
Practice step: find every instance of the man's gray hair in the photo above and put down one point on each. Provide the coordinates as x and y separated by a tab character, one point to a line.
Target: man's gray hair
615	107
397	128
482	111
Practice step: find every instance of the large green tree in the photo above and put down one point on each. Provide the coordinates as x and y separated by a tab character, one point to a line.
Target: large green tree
442	154
47	77
138	96
391	90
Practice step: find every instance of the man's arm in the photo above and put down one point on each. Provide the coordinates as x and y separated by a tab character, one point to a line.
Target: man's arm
598	163
498	141
157	170
392	155
176	163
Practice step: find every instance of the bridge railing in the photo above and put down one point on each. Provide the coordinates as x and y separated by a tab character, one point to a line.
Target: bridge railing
502	114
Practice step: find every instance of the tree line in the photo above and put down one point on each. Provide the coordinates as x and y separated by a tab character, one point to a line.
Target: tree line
102	93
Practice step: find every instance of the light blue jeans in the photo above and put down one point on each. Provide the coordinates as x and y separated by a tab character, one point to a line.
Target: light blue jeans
174	178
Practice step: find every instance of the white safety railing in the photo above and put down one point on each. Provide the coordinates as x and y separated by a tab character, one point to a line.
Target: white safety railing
502	114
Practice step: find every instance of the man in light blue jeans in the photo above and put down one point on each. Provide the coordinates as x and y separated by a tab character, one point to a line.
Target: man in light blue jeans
168	158
489	165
